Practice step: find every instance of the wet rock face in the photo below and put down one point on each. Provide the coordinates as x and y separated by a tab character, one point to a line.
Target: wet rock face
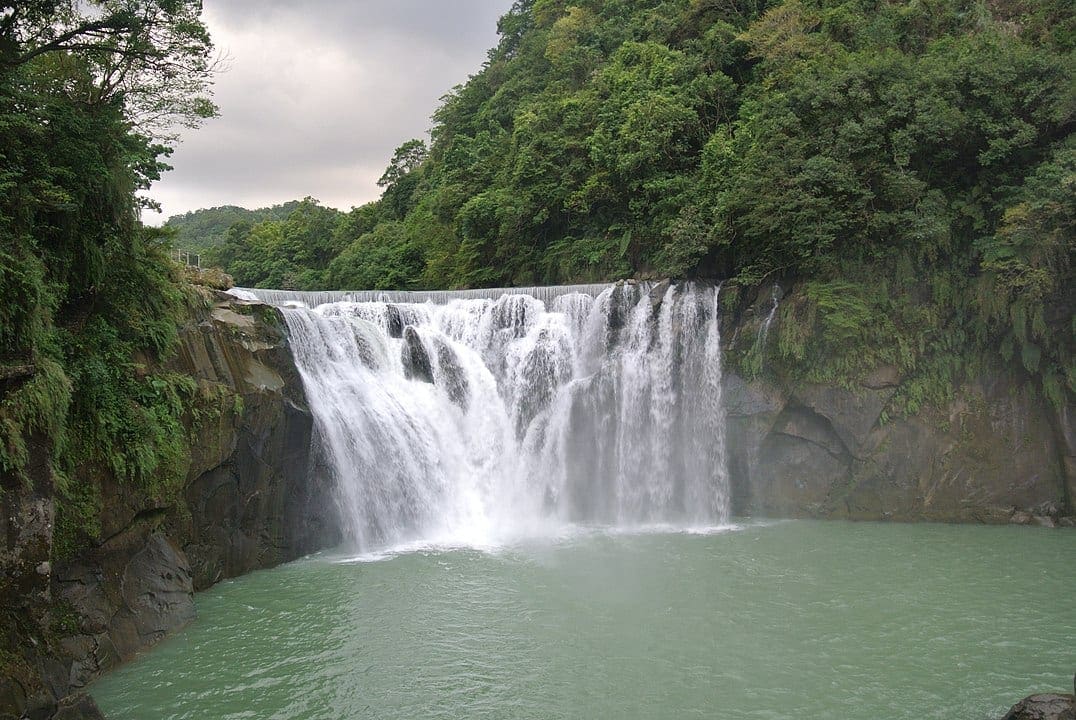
157	597
78	707
26	520
394	321
416	361
251	498
453	375
128	595
821	451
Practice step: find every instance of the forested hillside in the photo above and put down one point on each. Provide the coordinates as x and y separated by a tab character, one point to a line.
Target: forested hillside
90	95
202	229
909	164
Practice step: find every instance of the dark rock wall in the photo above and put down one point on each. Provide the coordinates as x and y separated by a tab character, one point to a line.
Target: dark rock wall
1000	452
251	499
994	455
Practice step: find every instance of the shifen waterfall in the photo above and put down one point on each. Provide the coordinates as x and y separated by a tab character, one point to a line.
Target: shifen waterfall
475	417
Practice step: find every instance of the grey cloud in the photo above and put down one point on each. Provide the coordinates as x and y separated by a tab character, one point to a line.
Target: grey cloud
445	23
318	95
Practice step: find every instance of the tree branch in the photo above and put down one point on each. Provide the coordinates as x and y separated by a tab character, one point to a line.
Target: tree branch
114	25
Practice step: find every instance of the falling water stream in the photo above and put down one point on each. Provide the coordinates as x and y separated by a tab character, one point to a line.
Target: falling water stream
490	415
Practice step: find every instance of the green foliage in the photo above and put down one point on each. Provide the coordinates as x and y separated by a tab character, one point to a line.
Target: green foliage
1027	286
380	260
64	618
201	230
38	407
89	302
292	252
835	330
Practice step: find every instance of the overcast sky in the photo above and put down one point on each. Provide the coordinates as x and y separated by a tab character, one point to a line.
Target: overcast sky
318	94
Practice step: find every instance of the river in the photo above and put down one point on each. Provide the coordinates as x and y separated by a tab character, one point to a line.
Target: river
791	619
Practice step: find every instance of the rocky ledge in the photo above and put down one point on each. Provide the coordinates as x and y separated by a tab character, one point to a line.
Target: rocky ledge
249	501
999	453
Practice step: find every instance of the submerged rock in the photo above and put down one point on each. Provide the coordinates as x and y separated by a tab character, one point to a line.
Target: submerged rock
1021	517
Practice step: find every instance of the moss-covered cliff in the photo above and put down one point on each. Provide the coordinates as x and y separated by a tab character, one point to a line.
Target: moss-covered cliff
991	448
247	502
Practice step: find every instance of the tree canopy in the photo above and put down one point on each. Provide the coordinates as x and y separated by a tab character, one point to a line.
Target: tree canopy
89	91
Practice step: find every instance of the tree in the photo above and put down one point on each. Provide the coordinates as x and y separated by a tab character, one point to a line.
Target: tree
406	159
401	178
152	55
88	93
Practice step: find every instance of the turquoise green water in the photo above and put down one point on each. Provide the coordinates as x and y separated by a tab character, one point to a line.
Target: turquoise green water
786	620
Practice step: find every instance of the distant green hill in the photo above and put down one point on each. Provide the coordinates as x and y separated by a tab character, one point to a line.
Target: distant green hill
200	230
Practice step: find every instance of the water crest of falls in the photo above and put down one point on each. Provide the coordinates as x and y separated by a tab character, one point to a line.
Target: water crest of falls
476	417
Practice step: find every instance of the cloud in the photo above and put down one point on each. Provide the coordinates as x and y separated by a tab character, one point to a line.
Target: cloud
318	94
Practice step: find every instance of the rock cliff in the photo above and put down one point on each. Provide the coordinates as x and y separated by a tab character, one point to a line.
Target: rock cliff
998	453
248	502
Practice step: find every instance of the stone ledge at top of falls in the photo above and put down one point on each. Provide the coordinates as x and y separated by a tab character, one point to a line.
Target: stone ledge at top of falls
321	297
248	502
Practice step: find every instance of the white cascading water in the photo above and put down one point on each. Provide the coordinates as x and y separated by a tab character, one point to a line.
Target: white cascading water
504	414
764	328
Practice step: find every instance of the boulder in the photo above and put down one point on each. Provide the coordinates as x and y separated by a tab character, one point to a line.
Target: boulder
416	361
1047	706
78	707
1022	517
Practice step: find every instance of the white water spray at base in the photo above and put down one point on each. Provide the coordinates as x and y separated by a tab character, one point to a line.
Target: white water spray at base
482	420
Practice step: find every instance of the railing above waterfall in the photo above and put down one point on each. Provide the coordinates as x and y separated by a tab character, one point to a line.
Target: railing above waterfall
183	257
438	297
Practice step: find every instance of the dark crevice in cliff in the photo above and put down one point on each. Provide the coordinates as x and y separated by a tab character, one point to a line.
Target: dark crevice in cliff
819	430
143	519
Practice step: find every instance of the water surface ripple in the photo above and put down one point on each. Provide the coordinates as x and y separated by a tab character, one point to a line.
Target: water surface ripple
783	620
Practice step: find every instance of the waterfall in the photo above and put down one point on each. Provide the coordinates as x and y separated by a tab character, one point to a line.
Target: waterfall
764	329
475	417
